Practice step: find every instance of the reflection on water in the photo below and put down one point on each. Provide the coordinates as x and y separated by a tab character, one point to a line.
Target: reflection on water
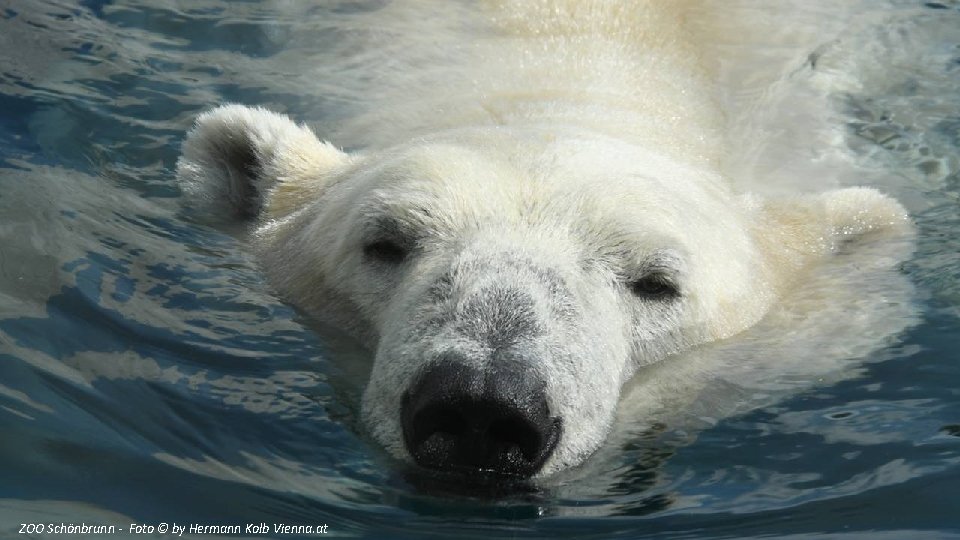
148	374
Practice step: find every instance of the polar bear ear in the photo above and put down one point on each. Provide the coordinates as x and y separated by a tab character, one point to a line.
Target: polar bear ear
855	212
235	157
796	230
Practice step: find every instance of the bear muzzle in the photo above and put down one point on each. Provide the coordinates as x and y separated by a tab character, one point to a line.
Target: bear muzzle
458	419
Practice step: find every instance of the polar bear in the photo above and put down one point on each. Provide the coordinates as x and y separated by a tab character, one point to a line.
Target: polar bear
522	223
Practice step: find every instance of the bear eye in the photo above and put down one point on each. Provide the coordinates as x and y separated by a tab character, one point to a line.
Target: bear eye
386	251
654	287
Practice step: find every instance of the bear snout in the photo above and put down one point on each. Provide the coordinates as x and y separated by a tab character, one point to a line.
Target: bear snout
458	419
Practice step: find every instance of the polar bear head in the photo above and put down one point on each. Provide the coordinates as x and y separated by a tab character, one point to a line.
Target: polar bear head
509	281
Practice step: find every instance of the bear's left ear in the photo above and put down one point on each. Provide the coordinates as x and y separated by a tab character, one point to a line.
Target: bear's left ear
796	230
235	158
854	212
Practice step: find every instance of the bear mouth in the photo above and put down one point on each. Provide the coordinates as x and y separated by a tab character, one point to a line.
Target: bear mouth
471	483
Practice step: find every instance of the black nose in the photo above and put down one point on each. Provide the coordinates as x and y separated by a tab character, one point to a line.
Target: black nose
456	418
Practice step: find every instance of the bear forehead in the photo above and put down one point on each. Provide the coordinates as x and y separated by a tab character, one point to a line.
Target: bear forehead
455	191
516	180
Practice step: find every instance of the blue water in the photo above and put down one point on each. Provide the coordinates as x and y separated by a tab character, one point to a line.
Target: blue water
148	374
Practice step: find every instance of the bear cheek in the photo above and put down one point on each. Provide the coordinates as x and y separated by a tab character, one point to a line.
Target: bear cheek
586	389
381	403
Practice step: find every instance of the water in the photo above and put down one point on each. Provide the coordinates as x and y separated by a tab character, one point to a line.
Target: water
148	375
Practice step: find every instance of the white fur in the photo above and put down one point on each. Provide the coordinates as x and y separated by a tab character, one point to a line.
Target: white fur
573	150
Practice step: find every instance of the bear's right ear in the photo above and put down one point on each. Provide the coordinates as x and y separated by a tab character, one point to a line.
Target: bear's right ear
235	157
